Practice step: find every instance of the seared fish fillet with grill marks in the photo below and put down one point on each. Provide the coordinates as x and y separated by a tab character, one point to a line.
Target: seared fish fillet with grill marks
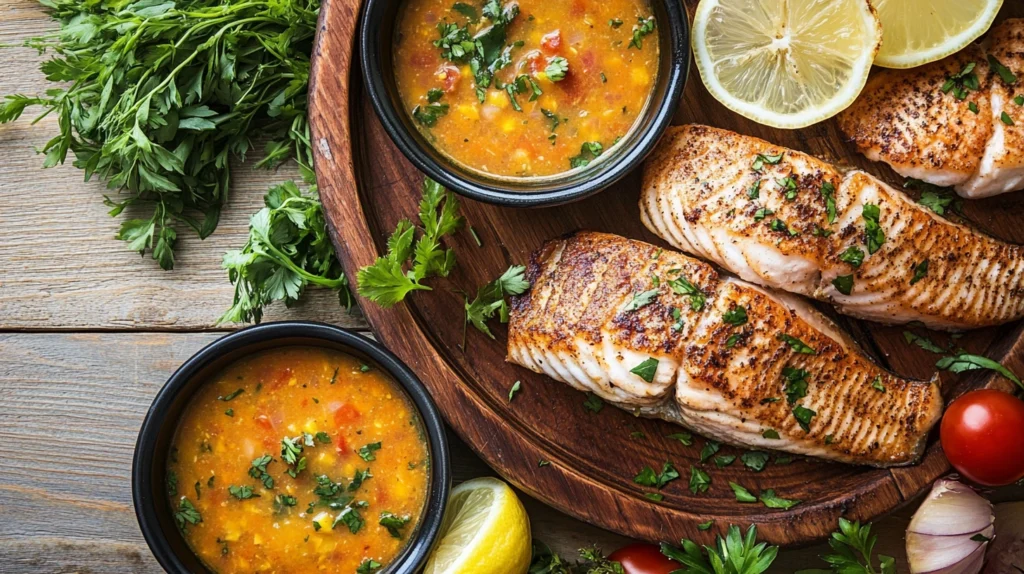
904	118
773	227
600	305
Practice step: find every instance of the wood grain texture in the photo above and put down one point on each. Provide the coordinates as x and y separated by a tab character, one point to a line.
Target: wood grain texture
367	186
60	266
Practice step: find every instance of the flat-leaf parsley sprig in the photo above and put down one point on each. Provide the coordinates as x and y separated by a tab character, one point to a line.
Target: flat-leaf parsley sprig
490	298
156	97
735	554
387	281
288	248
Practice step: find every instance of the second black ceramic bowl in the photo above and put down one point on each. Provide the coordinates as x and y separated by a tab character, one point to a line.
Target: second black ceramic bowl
375	45
152	507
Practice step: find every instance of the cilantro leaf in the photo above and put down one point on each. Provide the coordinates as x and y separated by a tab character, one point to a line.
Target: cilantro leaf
490	298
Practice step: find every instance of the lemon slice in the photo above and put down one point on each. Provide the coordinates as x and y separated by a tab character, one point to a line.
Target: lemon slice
916	32
785	63
485	531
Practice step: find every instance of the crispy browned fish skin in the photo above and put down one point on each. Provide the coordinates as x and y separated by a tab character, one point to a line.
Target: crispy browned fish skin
903	118
572	325
696	195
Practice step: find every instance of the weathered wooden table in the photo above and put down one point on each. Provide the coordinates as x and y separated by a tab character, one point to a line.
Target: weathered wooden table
89	332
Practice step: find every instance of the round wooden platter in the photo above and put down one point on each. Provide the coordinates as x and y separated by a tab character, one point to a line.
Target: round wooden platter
367	185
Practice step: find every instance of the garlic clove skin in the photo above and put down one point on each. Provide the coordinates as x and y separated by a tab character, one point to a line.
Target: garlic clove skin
950	532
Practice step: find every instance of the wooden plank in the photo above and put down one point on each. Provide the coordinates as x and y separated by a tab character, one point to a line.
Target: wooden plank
60	267
73	404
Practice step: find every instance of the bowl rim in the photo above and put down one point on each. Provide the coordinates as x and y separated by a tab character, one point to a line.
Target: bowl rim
498	192
414	555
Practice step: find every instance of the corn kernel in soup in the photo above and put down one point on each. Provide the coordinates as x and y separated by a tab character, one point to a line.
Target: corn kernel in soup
527	88
299	459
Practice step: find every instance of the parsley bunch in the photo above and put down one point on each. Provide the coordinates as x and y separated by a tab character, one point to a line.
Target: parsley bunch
852	547
288	248
735	554
592	561
156	96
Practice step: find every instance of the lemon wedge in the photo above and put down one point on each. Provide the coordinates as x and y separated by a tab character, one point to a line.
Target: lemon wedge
786	64
916	32
485	531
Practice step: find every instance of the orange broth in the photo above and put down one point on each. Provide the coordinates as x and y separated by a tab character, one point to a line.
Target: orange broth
239	515
524	123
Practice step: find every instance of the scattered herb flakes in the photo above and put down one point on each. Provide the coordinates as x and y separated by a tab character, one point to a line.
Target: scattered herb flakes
334	377
322	437
795	386
640	300
769	499
934	197
243	492
710	448
428	114
754	191
557	68
760	214
796	344
593	403
172	483
542	463
230	412
973	107
700	481
1019	100
803	416
358	479
231	395
589	151
515	389
682	286
843	284
780	226
923	342
788	186
647	476
733	340
979	537
366	452
291	448
770	434
393	523
877	384
615	22
644	27
724	460
604	78
1006	119
755	460
646	370
853	255
258	470
828	191
735	316
769	400
1004	73
873	232
742	494
186	514
783	459
961	82
683	437
655	496
351	518
677	323
762	159
367	566
705	526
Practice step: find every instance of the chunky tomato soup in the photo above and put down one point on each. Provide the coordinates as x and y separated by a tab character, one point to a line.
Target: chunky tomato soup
299	459
525	87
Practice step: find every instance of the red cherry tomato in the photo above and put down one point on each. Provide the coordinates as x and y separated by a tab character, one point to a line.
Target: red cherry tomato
981	435
643	559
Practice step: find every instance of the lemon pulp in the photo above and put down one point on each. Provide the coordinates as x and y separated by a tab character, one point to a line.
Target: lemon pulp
916	32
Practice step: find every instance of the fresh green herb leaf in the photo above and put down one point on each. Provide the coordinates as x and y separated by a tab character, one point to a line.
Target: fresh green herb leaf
593	403
796	344
1006	119
655	496
710	448
1004	73
640	300
556	69
803	416
735	316
742	494
760	214
754	192
737	553
962	82
873	232
466	10
646	370
724	460
700	481
852	549
755	460
966	362
762	159
186	514
796	383
843	284
542	463
683	437
682	286
704	526
393	523
769	499
490	298
515	389
367	566
589	151
973	107
828	191
258	470
788	186
770	434
231	395
853	255
322	437
366	452
428	114
615	22
643	27
923	342
230	412
241	492
1019	100
877	384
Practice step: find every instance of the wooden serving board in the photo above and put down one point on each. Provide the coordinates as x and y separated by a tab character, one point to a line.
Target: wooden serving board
367	185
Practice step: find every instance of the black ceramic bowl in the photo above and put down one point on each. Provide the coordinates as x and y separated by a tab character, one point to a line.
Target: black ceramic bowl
375	48
148	467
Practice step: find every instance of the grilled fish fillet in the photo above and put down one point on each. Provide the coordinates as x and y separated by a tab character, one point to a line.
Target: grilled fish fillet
699	195
581	324
904	118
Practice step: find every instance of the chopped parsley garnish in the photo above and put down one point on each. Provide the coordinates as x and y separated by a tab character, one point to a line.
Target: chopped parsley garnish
796	344
358	479
704	526
637	435
648	477
829	438
258	470
736	316
742	494
589	151
828	191
769	499
923	342
643	27
640	300
779	225
186	514
551	116
700	481
803	416
934	197
770	434
231	395
466	10
646	370
322	437
769	400
761	159
604	78
486	52
683	437
367	566
979	537
556	69
172	483
755	460
593	403
677	317
783	459
874	235
724	460
1006	119
796	384
291	448
542	463
961	82
515	389
655	496
230	412
788	185
1019	100
877	384
490	298
762	213
853	255
428	114
682	286
1004	73
710	449
973	107
243	492
393	523
733	340
754	191
366	451
615	22
843	284
920	271
351	518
